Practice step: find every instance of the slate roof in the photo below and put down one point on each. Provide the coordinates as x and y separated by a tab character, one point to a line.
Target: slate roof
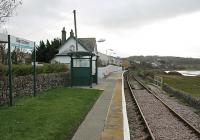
81	53
64	53
88	43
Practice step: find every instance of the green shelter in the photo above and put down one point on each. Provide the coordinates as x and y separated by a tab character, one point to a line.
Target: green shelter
83	68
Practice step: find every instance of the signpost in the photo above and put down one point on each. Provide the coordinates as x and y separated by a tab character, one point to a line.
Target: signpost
16	42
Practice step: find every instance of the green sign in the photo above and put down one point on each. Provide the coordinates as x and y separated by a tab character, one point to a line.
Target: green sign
16	42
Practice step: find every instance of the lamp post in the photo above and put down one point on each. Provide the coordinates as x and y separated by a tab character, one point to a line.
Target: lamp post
108	50
109	56
101	40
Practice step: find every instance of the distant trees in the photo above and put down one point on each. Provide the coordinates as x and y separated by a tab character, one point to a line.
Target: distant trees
46	51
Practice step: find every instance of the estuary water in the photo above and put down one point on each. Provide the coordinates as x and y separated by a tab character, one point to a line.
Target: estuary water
188	73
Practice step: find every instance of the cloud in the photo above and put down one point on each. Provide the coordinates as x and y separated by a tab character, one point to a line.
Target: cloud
131	13
104	13
110	19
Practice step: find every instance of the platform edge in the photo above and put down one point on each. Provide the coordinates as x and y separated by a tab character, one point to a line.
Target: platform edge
124	111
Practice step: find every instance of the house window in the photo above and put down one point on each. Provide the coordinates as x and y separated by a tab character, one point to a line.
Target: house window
72	48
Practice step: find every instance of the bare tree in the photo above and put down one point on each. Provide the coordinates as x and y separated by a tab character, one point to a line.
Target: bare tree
7	8
20	54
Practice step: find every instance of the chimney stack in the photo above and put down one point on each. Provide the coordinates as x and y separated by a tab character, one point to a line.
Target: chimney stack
63	36
71	33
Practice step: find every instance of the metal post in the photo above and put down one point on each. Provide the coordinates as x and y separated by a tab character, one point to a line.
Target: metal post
161	82
72	71
97	69
10	72
91	72
75	29
34	71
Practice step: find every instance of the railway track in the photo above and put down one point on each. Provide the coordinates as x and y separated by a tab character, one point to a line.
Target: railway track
139	129
159	120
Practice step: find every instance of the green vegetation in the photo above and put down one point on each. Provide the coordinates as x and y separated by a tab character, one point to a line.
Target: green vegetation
147	72
46	51
54	114
185	83
22	69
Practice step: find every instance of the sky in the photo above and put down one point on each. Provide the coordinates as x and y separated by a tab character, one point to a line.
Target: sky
130	27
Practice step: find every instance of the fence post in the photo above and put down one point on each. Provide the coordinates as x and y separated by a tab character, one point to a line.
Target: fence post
34	70
10	72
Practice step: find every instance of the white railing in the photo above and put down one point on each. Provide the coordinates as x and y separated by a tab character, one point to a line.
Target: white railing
105	71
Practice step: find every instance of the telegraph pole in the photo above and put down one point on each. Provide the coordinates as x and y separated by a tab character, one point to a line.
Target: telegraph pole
74	11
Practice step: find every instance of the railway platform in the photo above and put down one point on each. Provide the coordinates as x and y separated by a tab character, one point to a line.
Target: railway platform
107	119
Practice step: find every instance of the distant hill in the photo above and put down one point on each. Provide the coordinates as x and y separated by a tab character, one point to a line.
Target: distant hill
168	61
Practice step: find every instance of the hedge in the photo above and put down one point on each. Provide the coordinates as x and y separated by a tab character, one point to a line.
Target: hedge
22	69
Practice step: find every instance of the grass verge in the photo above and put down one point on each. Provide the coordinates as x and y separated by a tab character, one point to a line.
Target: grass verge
54	115
188	84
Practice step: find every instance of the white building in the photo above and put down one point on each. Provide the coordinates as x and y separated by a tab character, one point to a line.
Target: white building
107	59
69	45
84	45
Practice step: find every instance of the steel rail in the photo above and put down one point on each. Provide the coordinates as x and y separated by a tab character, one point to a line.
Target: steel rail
170	109
140	111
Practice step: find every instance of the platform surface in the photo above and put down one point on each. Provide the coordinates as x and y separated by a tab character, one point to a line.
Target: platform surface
113	129
104	121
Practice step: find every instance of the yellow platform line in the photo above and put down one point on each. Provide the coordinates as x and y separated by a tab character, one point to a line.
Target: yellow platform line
113	129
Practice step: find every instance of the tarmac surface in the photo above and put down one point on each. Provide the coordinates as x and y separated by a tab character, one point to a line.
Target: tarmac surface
105	119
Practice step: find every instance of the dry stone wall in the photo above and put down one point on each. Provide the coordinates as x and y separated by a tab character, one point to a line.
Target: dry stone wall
23	85
191	100
187	97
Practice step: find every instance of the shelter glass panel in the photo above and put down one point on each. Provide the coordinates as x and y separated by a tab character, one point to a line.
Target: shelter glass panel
81	63
93	67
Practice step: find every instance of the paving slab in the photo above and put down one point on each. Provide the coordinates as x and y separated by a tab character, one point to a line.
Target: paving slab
94	123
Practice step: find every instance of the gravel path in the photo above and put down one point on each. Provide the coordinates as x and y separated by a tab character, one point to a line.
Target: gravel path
138	130
161	121
184	111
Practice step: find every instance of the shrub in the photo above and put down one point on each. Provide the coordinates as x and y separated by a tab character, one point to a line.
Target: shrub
22	69
3	70
149	73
